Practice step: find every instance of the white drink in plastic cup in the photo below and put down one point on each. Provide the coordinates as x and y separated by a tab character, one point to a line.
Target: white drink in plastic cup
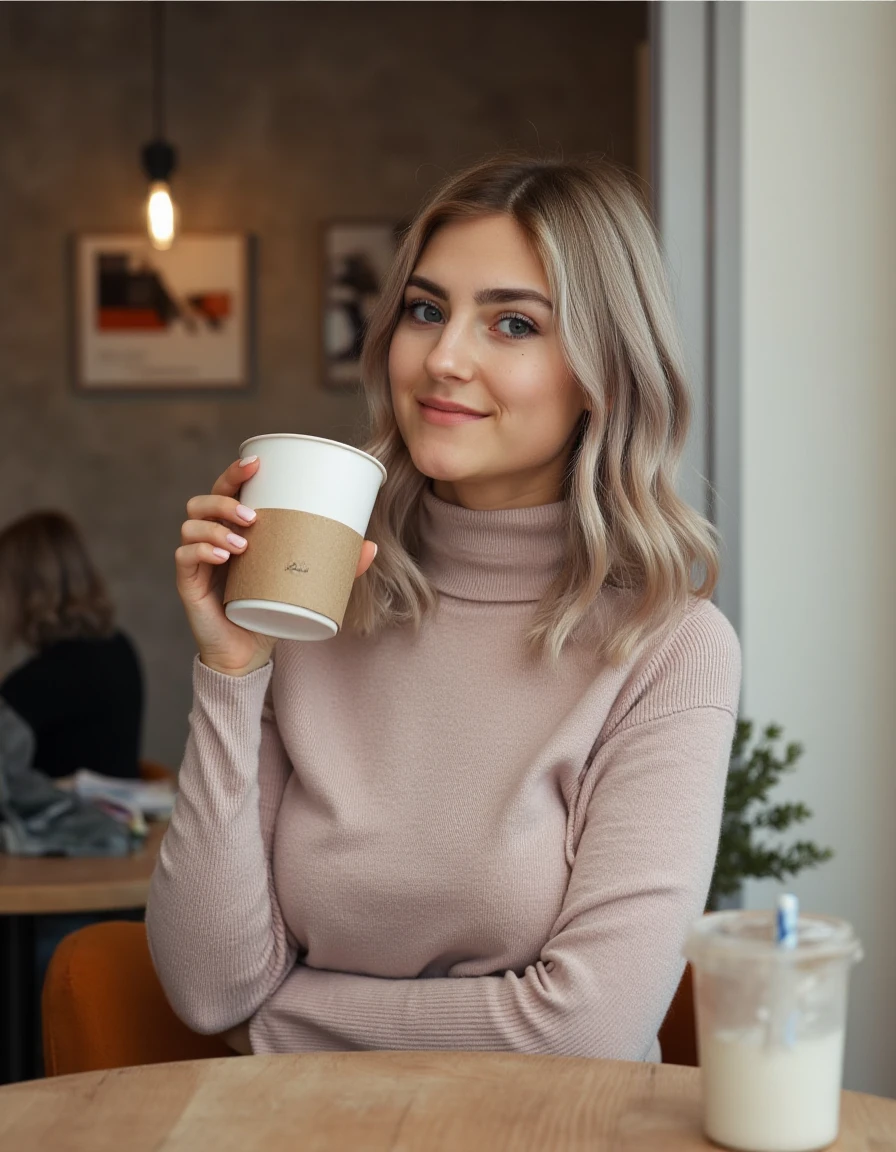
314	498
770	1027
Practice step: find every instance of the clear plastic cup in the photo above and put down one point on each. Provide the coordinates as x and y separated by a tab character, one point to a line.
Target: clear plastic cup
771	1024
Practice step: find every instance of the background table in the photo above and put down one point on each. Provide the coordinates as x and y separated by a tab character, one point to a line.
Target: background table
42	886
379	1101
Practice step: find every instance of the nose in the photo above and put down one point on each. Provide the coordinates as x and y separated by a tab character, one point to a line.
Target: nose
452	357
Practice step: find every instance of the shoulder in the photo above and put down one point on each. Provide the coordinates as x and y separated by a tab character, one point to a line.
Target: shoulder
90	656
122	643
116	651
695	662
124	665
702	639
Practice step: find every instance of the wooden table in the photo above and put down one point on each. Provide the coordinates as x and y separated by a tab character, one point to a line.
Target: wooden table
379	1101
46	885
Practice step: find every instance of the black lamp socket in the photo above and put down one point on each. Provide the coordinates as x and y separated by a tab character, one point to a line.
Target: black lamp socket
159	160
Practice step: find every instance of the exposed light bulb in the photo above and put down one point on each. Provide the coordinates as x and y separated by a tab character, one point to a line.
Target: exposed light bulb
161	216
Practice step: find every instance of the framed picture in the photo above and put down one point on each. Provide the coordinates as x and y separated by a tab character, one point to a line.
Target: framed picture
356	256
178	319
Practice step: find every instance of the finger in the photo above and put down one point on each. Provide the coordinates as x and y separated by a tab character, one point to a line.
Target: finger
219	508
368	555
189	559
229	482
205	531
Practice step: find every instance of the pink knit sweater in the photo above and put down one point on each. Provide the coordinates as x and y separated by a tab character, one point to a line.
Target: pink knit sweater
433	840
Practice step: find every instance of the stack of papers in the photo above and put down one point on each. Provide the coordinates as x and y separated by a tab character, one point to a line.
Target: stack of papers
152	798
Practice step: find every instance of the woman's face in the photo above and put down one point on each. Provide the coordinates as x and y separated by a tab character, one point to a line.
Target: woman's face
483	398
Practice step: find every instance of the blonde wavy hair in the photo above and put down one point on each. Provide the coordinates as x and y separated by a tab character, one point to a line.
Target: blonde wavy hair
626	526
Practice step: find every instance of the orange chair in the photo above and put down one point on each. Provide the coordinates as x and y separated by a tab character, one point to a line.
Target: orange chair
152	770
103	1006
678	1035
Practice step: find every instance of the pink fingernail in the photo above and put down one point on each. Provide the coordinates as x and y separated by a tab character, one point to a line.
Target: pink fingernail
245	513
376	549
236	541
221	553
247	460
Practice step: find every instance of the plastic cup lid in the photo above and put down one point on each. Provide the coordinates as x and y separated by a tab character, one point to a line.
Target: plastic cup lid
739	935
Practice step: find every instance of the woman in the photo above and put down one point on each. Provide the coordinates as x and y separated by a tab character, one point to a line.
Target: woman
483	816
81	690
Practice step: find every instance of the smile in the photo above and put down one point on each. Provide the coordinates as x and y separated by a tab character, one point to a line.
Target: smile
444	412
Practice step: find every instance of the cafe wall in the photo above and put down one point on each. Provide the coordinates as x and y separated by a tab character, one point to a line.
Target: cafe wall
285	116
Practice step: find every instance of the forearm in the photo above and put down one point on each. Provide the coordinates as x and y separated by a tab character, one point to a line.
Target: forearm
537	1012
333	1011
216	936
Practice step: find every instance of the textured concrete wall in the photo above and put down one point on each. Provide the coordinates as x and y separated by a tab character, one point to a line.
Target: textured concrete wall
284	115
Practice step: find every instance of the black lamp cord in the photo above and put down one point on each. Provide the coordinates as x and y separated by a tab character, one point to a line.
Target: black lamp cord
157	37
159	158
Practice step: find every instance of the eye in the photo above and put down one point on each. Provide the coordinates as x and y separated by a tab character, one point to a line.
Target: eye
424	311
517	327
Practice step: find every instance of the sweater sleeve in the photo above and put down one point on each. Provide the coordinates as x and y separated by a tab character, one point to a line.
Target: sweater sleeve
605	978
216	932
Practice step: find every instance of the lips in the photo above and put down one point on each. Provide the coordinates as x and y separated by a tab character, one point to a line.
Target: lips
447	406
446	413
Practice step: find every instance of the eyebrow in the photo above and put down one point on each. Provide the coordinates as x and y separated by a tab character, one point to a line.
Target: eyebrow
484	295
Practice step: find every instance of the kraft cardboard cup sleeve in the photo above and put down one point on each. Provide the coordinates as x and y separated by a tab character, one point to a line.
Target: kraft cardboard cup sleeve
313	500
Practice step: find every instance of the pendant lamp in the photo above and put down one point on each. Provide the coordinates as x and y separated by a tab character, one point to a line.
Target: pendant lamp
158	156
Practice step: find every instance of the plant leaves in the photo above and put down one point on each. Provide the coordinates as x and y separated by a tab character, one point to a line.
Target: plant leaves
755	769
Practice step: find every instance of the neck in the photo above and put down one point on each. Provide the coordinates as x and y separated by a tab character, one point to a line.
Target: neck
494	496
504	554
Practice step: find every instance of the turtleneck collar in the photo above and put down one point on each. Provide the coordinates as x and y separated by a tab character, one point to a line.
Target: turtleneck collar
503	556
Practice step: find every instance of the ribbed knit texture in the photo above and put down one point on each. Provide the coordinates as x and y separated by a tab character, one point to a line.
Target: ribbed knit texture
462	846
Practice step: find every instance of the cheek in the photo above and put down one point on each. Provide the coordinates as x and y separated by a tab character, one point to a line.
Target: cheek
572	400
402	380
404	363
542	388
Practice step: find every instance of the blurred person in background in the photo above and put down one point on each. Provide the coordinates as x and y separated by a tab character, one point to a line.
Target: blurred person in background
81	688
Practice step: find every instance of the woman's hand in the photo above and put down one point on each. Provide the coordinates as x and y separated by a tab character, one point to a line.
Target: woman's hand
217	527
238	1039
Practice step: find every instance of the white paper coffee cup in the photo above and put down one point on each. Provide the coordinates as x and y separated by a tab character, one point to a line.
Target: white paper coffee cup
314	498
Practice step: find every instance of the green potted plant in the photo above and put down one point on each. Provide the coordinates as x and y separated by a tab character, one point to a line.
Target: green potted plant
745	847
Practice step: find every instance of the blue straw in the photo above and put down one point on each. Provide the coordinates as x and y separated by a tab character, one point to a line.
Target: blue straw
787	920
786	931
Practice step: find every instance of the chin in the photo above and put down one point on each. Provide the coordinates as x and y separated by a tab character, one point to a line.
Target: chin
443	464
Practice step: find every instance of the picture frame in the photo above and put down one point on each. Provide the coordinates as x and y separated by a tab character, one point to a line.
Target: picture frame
355	255
174	320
